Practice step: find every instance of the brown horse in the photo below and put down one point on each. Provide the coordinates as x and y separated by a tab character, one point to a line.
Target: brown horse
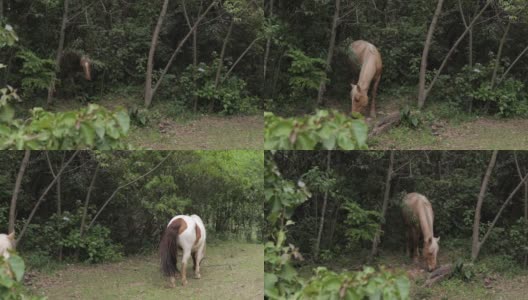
418	216
367	57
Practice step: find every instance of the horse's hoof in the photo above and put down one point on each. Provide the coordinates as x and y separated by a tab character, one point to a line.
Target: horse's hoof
184	282
197	276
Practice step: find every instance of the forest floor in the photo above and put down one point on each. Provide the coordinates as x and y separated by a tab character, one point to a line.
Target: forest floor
231	270
494	279
183	130
444	128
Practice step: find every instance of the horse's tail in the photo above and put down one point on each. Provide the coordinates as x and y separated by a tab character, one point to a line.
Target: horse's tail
169	249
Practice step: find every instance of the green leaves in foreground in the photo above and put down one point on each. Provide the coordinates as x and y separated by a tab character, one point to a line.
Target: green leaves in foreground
325	130
11	275
91	127
356	285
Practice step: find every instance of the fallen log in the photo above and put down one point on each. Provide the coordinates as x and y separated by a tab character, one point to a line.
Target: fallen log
439	274
386	123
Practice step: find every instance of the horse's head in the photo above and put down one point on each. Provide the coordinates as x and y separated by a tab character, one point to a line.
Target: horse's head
430	251
359	98
7	242
86	66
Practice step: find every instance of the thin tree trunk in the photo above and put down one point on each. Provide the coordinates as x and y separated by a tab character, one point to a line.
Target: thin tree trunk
51	88
85	207
239	59
1	9
422	98
43	195
388	179
513	64
195	48
16	191
499	55
152	51
222	53
330	54
123	186
268	47
59	202
470	41
148	83
323	209
475	245
423	67
525	198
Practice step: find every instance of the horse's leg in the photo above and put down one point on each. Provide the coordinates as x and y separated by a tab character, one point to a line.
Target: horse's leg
374	93
415	241
199	256
408	243
185	258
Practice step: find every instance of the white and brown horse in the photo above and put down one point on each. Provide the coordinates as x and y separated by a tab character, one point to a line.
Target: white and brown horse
7	243
367	57
418	216
186	233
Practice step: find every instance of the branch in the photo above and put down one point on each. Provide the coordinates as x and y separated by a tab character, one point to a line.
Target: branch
502	208
122	186
513	63
39	201
239	59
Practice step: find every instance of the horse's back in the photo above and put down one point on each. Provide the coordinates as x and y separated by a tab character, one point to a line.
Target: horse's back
412	203
363	50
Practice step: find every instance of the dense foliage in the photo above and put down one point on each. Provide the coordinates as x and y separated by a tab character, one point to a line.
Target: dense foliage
353	185
110	204
281	280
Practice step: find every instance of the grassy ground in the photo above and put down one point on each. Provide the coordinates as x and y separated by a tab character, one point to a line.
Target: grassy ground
494	279
230	271
169	130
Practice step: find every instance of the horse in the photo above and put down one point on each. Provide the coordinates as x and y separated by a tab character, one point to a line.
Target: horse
366	56
7	243
418	216
187	233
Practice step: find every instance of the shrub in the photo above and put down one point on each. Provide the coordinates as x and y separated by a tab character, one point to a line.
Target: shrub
11	275
324	130
38	73
305	73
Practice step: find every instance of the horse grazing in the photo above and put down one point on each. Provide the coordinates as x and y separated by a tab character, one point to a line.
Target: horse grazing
188	234
366	56
418	216
7	243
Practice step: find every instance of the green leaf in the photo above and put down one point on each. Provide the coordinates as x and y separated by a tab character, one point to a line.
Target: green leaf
17	266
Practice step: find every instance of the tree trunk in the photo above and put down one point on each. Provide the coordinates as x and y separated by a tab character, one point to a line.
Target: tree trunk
222	53
386	195
513	64
323	209
475	245
43	195
423	67
85	207
195	49
330	54
152	51
470	41
499	55
525	197
51	88
268	47
16	191
59	202
148	83
421	100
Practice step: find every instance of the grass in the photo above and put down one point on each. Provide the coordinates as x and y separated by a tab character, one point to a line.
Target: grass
231	270
495	277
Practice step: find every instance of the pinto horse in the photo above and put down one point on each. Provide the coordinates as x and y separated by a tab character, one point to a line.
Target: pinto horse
7	243
186	233
366	56
418	216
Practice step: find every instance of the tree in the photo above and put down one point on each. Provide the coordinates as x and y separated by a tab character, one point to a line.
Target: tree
16	191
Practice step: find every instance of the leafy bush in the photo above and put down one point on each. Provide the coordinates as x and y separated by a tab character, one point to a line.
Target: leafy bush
362	224
305	73
324	130
95	246
196	86
38	73
471	88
